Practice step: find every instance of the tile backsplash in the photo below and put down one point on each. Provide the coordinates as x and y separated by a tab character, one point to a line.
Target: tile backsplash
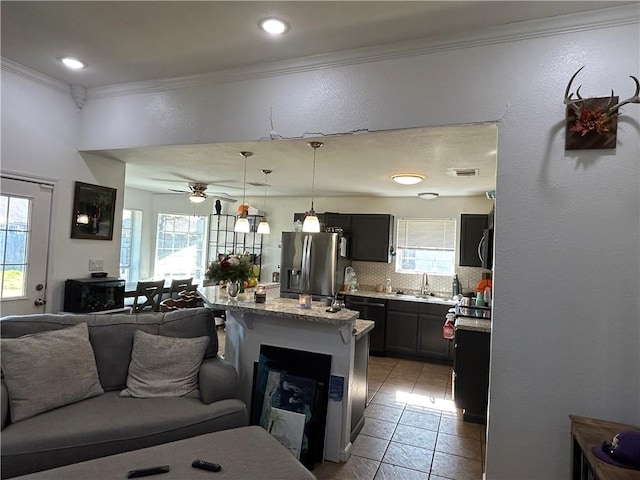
374	273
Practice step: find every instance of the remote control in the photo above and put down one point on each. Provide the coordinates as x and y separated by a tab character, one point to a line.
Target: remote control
144	472
212	467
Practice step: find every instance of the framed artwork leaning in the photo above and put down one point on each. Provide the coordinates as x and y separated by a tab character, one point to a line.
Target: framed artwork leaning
93	212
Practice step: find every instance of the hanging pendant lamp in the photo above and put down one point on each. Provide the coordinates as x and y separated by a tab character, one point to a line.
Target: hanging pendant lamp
242	223
263	226
311	223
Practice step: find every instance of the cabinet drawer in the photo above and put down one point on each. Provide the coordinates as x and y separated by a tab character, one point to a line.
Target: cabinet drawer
403	306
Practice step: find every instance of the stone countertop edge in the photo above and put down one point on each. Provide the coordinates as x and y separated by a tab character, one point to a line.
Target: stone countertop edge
470	323
405	297
281	307
362	327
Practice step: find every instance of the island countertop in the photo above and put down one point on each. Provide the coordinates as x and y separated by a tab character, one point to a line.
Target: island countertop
216	298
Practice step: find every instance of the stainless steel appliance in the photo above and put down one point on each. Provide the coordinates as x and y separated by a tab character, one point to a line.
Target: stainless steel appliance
312	263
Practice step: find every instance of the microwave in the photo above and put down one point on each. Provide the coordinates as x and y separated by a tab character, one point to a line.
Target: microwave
485	249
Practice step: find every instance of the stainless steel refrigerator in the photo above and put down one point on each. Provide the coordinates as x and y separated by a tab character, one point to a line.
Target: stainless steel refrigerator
313	263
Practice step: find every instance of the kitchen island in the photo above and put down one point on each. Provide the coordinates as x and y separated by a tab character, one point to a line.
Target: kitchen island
279	322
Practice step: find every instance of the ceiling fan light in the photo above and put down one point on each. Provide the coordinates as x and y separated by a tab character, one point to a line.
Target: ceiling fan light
407	178
428	195
311	223
197	197
263	228
242	225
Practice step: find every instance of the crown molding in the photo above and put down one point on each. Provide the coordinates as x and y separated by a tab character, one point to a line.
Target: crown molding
25	72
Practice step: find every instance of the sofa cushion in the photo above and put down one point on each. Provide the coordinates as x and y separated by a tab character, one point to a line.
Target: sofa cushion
110	424
47	370
164	366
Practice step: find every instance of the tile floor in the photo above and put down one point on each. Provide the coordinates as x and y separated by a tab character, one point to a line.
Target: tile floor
412	429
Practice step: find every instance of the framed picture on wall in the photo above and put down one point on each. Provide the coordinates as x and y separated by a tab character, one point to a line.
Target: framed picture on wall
93	212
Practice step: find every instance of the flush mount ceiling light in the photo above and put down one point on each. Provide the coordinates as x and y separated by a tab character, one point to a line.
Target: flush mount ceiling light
407	178
263	227
274	26
73	63
242	223
428	195
311	223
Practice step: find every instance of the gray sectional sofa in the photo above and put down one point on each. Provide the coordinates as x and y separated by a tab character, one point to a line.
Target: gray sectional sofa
108	423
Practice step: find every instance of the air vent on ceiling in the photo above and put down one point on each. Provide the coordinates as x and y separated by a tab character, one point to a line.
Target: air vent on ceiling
464	172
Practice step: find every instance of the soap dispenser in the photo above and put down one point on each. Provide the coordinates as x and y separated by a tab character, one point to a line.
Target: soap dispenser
387	284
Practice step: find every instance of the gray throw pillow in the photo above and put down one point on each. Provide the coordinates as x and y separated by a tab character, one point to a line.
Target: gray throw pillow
48	370
164	366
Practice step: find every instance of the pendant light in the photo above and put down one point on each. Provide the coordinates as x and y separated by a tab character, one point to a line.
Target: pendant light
263	226
242	223
311	223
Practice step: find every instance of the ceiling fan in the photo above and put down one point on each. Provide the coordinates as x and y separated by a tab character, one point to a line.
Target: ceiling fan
197	193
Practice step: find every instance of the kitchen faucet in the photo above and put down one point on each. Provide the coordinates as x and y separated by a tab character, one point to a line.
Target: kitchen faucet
425	284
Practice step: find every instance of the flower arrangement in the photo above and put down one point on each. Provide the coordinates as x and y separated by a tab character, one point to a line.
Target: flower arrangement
230	268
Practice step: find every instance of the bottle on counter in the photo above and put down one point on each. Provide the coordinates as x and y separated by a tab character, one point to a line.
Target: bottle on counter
388	287
456	285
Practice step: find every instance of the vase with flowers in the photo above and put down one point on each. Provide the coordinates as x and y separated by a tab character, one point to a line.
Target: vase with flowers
232	269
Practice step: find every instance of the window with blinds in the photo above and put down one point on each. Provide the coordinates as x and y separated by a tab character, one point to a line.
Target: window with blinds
426	245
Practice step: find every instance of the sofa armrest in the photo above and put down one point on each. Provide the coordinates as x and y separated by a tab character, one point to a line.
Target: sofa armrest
4	398
218	380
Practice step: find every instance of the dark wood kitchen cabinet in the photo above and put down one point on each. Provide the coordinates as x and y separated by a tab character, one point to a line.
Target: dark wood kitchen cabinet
431	343
402	325
374	309
472	227
372	237
471	373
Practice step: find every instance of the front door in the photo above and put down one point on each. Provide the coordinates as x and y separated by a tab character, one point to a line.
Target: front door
25	215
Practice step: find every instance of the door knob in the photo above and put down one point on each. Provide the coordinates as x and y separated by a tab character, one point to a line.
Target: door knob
39	302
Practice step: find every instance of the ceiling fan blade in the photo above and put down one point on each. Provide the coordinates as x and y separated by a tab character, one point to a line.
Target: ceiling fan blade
177	191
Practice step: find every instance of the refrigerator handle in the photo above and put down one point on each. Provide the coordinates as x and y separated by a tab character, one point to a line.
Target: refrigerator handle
306	263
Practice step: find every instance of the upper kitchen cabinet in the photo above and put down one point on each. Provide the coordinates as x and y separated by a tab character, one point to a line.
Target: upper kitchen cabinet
472	227
372	237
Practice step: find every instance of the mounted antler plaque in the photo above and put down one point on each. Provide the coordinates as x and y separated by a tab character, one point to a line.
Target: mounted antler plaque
593	122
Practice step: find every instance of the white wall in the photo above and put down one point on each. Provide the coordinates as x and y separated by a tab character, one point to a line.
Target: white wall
565	330
39	140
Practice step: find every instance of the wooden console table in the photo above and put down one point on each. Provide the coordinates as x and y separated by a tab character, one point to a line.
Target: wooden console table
587	433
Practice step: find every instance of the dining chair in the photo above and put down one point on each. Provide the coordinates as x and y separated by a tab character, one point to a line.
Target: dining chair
148	296
179	285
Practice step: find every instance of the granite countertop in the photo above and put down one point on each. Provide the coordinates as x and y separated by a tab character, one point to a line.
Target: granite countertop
475	324
274	306
406	297
362	327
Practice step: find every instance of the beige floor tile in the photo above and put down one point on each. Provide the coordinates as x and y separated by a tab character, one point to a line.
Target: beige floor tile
427	421
374	385
383	412
397	386
437	391
356	468
391	399
370	394
418	437
378	376
369	447
374	360
408	456
403	376
455	467
455	426
394	472
374	427
462	446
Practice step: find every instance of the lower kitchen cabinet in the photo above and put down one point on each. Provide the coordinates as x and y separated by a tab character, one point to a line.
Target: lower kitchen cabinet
430	340
414	329
471	374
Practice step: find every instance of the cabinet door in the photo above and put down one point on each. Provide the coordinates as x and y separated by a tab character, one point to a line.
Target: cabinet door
430	340
339	220
472	228
401	332
471	377
372	237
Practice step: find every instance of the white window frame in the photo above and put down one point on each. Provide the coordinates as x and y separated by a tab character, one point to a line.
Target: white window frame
130	266
436	258
196	268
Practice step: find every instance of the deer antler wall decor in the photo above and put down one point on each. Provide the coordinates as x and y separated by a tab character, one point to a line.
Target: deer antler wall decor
593	122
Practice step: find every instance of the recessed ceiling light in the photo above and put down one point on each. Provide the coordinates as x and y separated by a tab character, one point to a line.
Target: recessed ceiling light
274	26
407	178
73	63
428	195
